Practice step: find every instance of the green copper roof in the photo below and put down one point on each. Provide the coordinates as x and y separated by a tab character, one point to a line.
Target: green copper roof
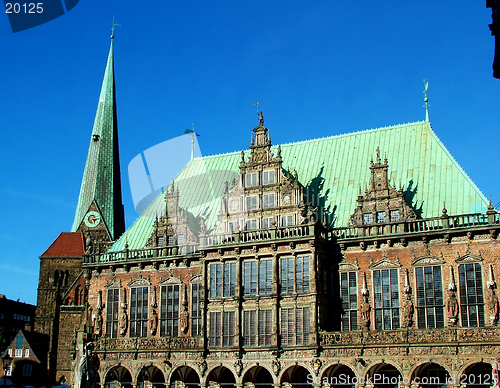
101	178
417	159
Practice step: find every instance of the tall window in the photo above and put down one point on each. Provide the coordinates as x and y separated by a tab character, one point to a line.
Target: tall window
295	326
169	310
257	327
268	177
252	202
430	301
386	287
267	222
195	309
221	329
222	279
294	274
257	277
139	312
268	200
349	296
112	313
471	295
251	179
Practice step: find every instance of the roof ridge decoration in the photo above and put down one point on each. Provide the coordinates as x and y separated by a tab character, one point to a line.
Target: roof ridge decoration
101	178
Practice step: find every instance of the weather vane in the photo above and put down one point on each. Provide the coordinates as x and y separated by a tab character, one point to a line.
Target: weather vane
113	27
426	99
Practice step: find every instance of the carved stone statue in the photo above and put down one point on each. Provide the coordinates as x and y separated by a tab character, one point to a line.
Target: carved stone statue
87	374
153	322
98	324
276	367
492	306
261	119
407	312
364	312
123	322
452	308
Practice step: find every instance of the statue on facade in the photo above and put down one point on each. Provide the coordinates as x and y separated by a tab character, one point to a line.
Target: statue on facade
492	306
407	312
364	310
153	322
261	119
452	308
87	376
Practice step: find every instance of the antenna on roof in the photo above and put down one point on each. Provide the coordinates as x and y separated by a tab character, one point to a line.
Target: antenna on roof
426	99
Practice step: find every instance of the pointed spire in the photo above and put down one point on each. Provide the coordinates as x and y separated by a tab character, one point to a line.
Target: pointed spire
101	183
426	100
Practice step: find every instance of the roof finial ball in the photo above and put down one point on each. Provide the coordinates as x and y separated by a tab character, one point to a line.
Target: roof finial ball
113	27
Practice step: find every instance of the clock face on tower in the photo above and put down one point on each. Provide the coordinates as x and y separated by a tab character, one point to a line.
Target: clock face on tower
234	204
92	219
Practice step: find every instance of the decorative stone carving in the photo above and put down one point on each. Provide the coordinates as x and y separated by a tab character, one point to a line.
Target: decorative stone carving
316	365
276	367
202	365
407	308
123	316
364	307
452	307
184	314
238	367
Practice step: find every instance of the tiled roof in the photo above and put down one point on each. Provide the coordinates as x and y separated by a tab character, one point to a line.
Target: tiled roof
418	161
67	244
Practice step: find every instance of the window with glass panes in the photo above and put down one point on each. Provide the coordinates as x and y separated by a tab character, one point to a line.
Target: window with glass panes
268	200
268	177
251	179
252	202
295	326
257	327
367	218
139	312
395	215
294	274
267	222
471	295
257	277
251	224
287	221
349	296
430	301
381	217
169	310
112	313
195	309
221	331
386	296
222	279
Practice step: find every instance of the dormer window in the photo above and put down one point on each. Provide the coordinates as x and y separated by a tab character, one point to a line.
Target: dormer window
381	217
268	177
161	241
395	215
268	200
251	179
252	203
367	218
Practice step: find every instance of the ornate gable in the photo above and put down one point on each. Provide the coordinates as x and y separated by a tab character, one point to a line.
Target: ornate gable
384	264
427	260
381	203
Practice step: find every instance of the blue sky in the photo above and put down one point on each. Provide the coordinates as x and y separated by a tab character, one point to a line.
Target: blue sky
317	68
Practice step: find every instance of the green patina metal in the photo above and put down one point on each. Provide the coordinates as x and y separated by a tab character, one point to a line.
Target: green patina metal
417	159
101	178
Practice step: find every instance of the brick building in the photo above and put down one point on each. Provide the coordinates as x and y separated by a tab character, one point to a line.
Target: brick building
366	258
14	316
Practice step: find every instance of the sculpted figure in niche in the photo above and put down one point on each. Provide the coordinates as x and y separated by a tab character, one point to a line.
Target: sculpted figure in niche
153	322
364	309
123	322
492	305
407	312
452	308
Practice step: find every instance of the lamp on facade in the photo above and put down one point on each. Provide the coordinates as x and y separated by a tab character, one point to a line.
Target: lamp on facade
6	360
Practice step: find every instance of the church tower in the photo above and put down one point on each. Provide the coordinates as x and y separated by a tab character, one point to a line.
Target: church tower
99	211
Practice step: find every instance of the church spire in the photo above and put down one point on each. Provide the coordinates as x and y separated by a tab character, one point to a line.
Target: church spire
100	200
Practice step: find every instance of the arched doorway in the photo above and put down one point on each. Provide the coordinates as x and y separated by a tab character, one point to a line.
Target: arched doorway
150	377
184	376
339	376
296	376
258	377
477	375
384	376
221	377
431	375
118	377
